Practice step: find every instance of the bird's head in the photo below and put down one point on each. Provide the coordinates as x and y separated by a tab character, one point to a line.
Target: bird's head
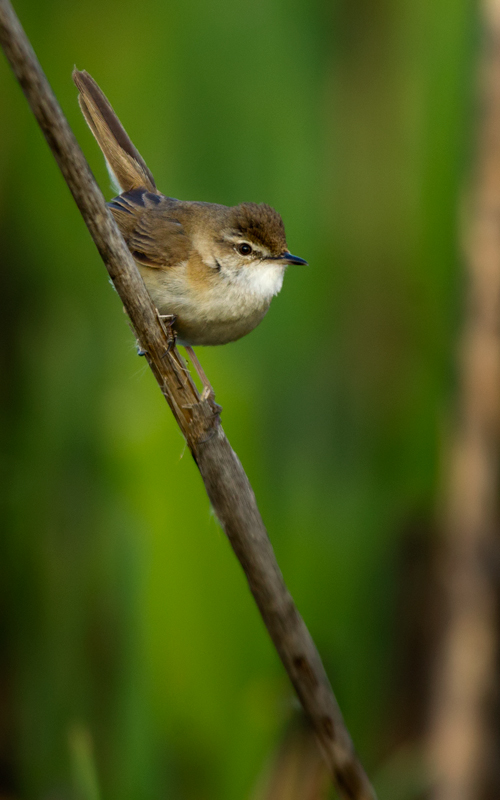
248	246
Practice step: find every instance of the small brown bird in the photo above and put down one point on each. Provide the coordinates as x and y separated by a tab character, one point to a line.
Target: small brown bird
215	269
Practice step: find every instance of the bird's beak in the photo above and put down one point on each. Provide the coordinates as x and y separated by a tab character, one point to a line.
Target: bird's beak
289	259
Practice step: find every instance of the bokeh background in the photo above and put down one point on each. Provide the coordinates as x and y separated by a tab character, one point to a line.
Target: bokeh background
132	659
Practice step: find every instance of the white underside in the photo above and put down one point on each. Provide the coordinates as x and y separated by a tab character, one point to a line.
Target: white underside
221	312
263	280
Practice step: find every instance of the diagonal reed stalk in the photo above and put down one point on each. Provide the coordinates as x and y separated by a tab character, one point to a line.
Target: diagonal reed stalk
225	481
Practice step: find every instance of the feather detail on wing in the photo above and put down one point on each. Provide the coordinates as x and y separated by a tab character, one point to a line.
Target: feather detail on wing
148	224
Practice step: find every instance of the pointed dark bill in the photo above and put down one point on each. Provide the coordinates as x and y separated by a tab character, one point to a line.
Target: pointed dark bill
289	259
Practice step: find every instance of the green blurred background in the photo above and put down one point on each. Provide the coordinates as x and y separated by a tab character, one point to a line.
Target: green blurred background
126	626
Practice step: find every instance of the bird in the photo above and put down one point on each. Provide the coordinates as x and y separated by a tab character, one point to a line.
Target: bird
210	269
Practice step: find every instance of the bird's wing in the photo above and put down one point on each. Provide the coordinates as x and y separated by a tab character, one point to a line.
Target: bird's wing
148	222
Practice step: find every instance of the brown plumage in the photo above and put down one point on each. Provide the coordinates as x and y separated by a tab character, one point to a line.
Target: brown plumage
124	159
261	224
214	267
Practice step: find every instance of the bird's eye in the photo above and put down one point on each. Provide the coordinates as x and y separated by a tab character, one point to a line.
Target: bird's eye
244	249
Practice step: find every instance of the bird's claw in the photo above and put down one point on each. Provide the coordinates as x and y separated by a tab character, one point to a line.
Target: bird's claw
208	395
168	322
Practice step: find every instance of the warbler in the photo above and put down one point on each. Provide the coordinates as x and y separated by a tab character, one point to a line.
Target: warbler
211	269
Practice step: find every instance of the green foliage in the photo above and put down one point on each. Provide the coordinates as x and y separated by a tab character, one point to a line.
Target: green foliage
125	615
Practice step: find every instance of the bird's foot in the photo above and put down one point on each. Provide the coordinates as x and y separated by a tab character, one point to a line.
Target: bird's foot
168	322
208	395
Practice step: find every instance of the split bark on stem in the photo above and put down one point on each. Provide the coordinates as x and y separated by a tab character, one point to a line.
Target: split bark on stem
225	480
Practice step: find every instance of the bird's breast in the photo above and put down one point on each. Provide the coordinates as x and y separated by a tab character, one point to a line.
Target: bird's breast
218	316
236	302
214	311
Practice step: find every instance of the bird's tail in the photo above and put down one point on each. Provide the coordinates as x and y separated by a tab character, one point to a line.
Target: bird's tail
125	163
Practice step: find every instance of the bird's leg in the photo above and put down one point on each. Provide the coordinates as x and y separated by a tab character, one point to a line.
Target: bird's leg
208	391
